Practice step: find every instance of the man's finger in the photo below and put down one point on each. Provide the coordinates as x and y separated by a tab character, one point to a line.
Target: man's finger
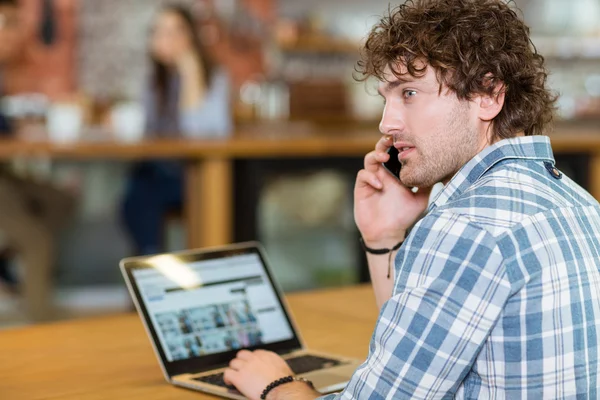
261	354
236	364
244	355
374	159
367	178
231	376
384	143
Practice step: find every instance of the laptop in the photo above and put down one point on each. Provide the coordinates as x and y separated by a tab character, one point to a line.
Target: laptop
201	307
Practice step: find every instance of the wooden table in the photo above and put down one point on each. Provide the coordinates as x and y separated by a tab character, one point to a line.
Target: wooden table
111	357
209	198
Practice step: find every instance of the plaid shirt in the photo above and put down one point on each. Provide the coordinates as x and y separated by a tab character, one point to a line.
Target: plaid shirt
497	291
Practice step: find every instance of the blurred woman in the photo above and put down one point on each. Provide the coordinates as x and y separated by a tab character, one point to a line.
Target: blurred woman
187	97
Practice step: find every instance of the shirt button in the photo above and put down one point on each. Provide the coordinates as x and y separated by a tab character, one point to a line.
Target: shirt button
556	174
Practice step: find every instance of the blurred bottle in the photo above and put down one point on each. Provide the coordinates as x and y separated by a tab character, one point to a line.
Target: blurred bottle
274	103
246	109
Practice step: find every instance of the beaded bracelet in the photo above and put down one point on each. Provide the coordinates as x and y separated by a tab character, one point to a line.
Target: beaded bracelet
282	381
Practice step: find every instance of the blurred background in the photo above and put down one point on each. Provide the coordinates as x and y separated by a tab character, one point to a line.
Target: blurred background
85	71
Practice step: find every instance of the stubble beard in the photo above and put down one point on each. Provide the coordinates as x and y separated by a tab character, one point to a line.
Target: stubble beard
439	160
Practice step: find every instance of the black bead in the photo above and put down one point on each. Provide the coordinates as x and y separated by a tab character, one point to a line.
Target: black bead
274	384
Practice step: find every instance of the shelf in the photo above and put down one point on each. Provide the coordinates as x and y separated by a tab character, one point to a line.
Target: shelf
320	45
567	48
550	47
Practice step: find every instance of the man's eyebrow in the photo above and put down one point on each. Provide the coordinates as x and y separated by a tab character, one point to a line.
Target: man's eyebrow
389	86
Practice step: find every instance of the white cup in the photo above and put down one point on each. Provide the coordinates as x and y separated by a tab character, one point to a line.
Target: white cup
64	122
128	120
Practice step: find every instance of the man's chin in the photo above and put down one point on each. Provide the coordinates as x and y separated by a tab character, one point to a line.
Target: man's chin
411	180
410	183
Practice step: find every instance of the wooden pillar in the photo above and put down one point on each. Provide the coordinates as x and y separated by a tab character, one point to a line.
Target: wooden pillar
594	175
209	202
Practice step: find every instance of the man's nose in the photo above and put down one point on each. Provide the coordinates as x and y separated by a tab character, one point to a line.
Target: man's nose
392	121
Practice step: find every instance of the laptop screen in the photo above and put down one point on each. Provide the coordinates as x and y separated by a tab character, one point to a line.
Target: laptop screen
207	306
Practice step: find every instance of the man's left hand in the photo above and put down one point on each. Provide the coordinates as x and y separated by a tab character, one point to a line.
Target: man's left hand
252	371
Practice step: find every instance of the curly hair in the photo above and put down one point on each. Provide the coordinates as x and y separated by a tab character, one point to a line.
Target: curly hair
474	46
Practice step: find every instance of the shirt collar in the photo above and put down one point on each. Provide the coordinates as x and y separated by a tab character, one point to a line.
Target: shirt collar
523	147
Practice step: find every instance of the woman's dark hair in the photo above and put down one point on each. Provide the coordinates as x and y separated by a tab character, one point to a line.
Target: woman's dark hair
161	72
472	45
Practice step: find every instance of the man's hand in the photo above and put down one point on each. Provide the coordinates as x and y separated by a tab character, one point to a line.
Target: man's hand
384	208
252	371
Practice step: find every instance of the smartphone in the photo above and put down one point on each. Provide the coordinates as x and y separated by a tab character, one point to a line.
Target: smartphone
393	164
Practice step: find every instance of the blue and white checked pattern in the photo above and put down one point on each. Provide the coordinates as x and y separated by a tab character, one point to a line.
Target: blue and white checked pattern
497	291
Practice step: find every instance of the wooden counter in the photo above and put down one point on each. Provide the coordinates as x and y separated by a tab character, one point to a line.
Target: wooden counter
111	357
209	198
268	142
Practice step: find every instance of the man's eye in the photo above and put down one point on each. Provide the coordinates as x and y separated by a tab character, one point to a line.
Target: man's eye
409	93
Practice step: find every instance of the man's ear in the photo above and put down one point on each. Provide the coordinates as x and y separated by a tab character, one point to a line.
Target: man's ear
491	104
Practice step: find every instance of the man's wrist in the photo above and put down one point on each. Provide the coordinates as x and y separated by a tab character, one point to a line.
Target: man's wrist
383	243
296	390
379	250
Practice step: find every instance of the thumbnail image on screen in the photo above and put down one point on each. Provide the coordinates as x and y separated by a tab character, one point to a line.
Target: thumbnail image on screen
210	329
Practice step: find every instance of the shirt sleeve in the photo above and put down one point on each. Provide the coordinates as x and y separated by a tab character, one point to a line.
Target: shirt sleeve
212	118
450	290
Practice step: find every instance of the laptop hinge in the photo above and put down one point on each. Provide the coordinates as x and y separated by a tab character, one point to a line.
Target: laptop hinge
284	352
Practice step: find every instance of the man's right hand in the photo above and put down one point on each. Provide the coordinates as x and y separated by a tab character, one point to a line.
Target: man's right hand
384	208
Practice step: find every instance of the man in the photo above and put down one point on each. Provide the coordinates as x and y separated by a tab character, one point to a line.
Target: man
496	292
9	44
31	212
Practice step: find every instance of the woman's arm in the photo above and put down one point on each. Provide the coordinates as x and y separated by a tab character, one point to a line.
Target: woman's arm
192	86
212	117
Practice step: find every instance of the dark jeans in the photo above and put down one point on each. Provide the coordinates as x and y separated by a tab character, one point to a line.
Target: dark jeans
154	189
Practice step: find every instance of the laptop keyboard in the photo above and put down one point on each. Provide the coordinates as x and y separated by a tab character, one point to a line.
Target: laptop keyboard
215	379
308	363
299	365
